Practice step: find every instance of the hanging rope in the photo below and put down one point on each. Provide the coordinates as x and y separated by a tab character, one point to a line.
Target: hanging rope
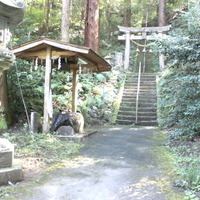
22	97
21	93
140	45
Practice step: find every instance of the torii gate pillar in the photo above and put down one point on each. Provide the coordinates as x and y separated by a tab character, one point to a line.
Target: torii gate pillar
127	51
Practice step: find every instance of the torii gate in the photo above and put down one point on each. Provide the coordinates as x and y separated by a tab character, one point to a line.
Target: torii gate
143	30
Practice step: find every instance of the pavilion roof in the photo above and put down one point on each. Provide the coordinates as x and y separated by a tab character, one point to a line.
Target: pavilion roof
37	49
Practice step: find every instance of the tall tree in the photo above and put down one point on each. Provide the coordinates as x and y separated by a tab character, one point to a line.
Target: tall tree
162	21
47	10
65	20
162	18
92	25
127	13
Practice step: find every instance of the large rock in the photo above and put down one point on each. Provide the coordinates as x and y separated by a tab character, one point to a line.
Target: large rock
61	119
65	130
77	121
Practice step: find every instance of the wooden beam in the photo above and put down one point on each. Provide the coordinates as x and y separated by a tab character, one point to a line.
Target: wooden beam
62	53
42	54
136	37
47	87
127	51
89	66
86	59
74	90
144	29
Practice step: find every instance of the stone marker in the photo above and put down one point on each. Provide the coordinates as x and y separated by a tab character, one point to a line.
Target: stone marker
118	60
10	169
11	174
34	122
6	153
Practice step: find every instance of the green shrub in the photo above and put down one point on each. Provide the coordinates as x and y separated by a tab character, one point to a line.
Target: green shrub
179	84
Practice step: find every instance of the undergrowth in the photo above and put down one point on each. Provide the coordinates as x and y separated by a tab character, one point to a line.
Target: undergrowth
188	166
42	145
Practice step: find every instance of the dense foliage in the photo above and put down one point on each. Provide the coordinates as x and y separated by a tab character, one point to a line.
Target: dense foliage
43	17
97	92
180	82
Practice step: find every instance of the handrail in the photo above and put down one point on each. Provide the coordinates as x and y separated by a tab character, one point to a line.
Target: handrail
138	91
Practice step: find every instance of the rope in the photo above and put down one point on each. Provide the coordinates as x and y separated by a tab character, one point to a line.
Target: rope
140	45
21	92
22	97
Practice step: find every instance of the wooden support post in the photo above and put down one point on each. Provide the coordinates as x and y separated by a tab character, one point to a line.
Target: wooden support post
127	51
47	88
74	90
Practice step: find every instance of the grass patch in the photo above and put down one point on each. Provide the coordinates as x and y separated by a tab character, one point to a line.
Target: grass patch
42	145
39	148
166	162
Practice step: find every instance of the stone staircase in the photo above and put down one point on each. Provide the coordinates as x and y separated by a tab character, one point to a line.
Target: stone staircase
147	112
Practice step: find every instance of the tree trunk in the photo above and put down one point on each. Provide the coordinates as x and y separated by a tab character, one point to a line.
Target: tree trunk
5	114
83	10
162	21
127	13
162	18
92	25
47	9
65	20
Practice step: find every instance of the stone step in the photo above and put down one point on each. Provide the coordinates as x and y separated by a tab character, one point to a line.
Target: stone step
140	118
133	100
141	78
125	122
141	96
147	109
147	123
142	75
132	112
142	87
140	104
147	113
151	91
142	123
143	83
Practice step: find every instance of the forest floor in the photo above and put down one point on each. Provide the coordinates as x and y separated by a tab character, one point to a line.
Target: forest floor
118	163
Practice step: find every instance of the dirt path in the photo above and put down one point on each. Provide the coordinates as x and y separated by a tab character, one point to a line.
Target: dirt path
117	164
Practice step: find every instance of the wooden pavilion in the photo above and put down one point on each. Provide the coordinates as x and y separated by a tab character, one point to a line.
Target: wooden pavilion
68	57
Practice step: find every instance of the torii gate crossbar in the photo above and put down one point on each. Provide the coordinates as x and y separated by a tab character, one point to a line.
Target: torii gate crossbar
143	30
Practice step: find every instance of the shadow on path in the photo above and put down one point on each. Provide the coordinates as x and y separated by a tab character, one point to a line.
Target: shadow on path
117	164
